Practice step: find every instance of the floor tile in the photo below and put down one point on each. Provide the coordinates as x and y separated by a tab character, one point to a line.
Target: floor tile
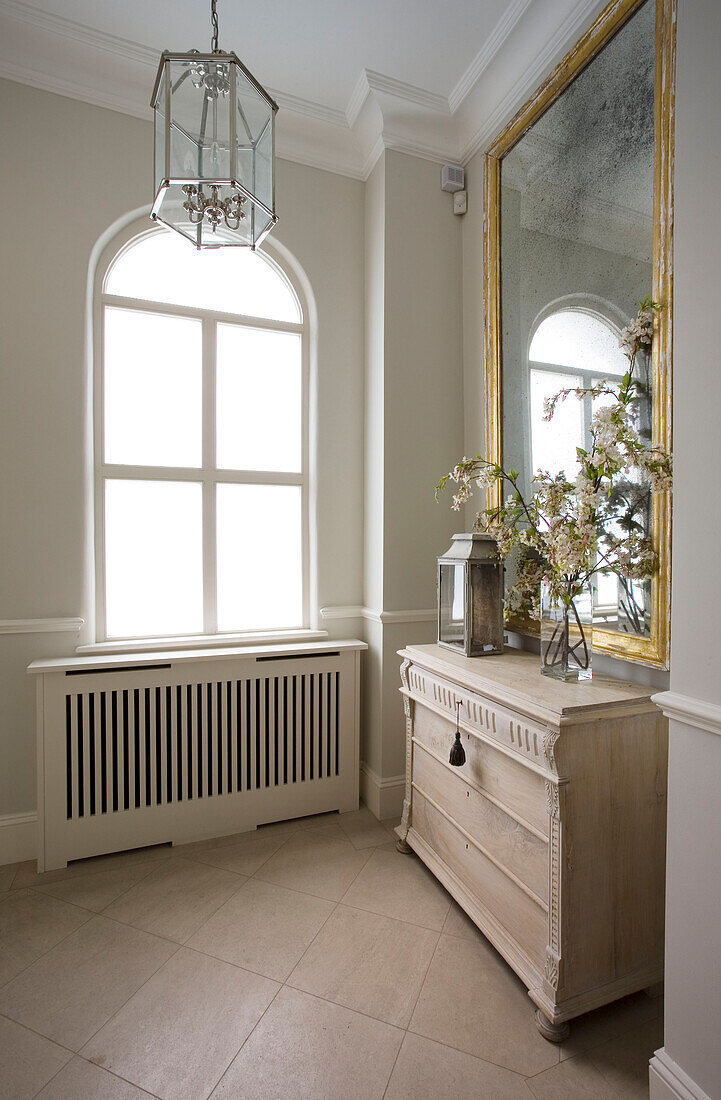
97	891
574	1079
400	886
610	1022
27	1061
175	899
472	1000
319	1050
391	824
27	872
459	924
367	962
30	924
429	1071
623	1061
70	992
264	928
179	1033
363	829
244	857
317	862
80	1080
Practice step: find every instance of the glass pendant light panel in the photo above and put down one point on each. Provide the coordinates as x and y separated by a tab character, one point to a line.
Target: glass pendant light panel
213	151
200	126
254	130
160	132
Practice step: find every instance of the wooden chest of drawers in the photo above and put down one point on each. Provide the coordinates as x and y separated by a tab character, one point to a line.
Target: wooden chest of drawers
551	836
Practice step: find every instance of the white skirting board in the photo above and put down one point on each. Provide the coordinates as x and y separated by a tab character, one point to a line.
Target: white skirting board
383	797
18	837
667	1081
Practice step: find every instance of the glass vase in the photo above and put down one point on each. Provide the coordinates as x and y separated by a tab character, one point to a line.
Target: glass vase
566	635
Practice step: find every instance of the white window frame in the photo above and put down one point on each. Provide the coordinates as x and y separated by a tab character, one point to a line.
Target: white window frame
571	304
208	475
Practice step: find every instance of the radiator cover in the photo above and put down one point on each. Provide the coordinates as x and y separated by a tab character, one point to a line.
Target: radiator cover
175	747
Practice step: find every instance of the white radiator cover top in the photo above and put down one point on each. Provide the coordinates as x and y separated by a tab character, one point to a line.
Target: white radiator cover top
184	745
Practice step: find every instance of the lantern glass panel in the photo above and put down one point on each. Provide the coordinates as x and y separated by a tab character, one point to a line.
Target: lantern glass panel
486	594
203	235
451	617
254	130
200	128
160	132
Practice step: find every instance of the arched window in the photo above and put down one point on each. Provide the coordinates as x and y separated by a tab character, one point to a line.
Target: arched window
571	347
201	444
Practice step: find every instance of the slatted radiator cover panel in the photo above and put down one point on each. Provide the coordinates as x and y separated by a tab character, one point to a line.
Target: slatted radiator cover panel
177	750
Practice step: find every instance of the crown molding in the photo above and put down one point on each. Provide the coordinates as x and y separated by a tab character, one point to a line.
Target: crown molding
531	77
22	74
513	13
308	108
77	32
370	81
382	112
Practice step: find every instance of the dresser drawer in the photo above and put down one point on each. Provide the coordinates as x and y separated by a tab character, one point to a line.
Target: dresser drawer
525	921
519	851
509	782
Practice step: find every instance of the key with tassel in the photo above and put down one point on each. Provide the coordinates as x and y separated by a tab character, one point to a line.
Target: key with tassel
458	755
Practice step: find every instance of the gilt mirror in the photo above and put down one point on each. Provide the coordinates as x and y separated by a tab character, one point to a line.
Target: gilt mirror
578	231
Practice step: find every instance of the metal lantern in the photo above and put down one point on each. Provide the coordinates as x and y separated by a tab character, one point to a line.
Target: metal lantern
470	596
214	145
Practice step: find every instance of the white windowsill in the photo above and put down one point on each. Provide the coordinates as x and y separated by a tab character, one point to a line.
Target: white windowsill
201	641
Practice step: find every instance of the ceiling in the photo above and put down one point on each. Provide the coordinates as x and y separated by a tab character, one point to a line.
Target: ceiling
314	49
351	77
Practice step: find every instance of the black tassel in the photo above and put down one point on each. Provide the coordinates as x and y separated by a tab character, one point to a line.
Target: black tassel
458	755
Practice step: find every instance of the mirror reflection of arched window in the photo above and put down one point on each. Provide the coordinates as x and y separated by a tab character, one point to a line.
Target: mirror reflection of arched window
570	347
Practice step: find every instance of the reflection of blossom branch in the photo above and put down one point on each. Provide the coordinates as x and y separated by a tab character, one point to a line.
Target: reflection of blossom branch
564	532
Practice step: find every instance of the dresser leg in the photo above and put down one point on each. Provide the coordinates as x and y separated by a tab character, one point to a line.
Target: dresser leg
555	1033
403	846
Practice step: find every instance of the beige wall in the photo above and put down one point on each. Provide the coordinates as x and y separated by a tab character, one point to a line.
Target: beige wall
413	421
76	170
693	921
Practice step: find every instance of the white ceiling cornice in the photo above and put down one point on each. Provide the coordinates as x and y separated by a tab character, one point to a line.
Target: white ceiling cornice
488	51
77	32
476	135
50	52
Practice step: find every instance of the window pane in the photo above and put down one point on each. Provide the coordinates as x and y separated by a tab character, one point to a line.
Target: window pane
554	442
259	407
162	267
572	338
153	389
153	558
260	557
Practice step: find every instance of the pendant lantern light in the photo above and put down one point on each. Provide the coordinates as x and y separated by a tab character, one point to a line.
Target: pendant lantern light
214	148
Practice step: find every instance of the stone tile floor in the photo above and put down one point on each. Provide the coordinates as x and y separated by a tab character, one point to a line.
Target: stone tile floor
308	959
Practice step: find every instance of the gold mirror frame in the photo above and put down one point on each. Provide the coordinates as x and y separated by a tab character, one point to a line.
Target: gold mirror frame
652	650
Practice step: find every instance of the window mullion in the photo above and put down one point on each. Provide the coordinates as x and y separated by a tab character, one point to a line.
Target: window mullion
210	607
